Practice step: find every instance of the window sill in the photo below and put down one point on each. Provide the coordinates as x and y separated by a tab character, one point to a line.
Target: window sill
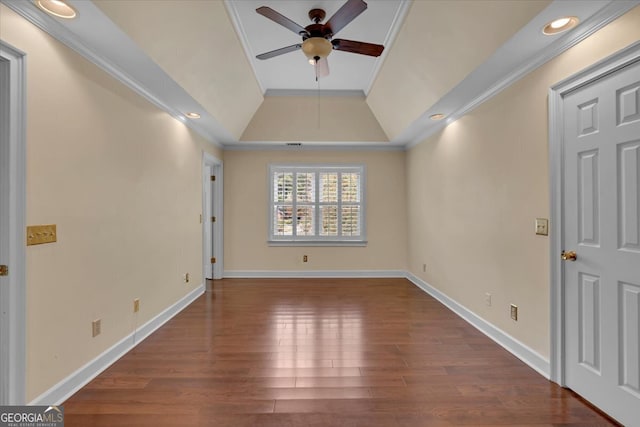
357	243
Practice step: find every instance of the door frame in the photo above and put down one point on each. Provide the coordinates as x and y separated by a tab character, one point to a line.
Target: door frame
211	165
611	64
13	149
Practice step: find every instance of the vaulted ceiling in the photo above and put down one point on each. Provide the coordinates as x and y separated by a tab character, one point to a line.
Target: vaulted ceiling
440	56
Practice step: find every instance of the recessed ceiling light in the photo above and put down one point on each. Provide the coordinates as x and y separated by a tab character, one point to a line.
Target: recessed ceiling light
438	116
560	25
57	8
192	115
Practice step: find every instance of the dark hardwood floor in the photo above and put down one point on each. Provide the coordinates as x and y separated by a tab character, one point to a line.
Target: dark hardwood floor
321	352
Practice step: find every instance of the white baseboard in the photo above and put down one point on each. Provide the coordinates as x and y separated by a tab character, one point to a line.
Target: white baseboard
529	356
512	345
57	394
255	274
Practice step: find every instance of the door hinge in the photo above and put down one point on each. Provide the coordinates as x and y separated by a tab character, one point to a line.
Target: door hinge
4	270
213	260
213	219
213	177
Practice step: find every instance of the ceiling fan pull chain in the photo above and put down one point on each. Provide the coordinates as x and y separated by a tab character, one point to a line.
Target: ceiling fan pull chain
318	95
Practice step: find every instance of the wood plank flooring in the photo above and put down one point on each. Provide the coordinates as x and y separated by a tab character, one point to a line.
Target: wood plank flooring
321	352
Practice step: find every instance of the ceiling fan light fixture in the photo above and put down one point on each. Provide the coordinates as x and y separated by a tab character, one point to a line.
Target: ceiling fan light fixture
316	47
57	8
560	25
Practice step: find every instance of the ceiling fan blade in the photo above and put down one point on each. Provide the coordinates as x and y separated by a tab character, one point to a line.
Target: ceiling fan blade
322	67
347	13
357	47
278	52
278	18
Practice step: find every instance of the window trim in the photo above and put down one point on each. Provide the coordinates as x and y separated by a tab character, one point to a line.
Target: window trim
316	240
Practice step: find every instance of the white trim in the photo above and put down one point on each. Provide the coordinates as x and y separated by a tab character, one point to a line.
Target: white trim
218	227
396	24
523	352
529	356
216	167
423	127
313	243
130	65
313	146
60	392
315	93
557	93
281	274
244	40
161	90
65	388
16	163
317	169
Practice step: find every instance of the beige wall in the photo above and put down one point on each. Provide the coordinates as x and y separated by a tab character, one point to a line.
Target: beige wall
475	189
439	43
122	181
246	215
195	43
312	118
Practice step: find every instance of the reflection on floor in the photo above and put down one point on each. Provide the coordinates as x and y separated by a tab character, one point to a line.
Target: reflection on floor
321	352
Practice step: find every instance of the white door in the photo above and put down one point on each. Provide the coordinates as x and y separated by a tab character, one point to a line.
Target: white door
208	224
601	224
215	218
212	211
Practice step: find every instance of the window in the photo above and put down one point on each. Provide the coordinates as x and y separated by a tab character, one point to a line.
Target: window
316	204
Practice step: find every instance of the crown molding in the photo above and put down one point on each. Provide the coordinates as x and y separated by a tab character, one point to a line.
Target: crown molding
232	12
396	24
313	146
132	67
315	93
423	127
154	89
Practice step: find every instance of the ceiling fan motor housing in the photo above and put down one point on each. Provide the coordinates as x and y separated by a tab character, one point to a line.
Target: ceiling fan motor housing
317	30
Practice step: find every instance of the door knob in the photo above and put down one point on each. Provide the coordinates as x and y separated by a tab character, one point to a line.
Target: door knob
569	256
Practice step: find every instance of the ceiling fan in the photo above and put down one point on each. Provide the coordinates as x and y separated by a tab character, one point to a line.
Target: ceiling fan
317	39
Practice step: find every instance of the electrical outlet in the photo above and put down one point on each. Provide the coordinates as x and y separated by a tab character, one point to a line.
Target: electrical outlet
305	258
136	305
424	268
96	327
487	299
514	312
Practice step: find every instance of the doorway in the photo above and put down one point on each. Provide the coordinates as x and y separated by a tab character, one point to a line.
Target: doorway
212	217
595	167
12	226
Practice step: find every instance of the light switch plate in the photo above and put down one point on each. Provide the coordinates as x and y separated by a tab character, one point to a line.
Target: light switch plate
39	234
542	226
